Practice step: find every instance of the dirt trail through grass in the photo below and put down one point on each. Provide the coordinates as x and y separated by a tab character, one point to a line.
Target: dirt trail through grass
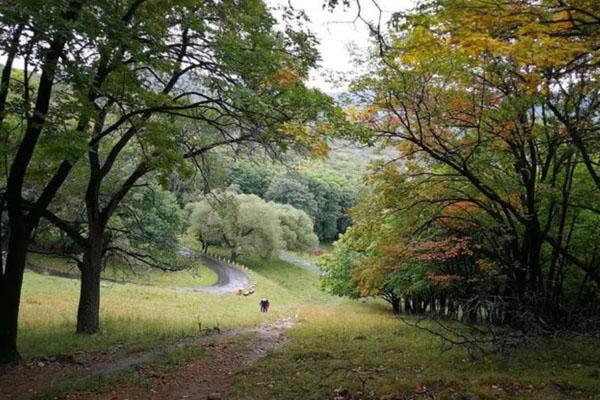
204	371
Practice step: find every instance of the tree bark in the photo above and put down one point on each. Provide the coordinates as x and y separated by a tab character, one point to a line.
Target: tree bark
10	295
88	312
11	279
395	302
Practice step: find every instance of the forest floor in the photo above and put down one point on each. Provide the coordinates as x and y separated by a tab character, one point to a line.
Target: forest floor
309	346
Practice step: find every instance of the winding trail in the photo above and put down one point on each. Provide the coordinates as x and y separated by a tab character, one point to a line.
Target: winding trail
299	262
229	278
208	376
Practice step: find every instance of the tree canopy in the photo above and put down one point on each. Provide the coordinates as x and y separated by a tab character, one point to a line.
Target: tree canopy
127	92
492	109
245	223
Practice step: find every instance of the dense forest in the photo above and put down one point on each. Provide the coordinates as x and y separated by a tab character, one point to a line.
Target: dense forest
452	181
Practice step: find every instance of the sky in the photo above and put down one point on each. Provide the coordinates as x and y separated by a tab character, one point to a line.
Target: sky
338	30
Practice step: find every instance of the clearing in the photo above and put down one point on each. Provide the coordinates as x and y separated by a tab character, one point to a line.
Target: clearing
159	343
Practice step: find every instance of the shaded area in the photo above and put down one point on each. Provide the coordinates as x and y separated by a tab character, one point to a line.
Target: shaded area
229	278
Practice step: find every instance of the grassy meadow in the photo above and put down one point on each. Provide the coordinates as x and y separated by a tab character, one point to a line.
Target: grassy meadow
362	348
337	343
144	315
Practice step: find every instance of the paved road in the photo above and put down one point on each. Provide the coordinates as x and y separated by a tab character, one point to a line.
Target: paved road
229	278
299	262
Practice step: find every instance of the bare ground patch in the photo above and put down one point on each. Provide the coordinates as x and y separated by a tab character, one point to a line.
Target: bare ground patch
141	375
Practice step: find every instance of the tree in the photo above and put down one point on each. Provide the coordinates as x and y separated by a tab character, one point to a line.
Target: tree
147	225
16	19
252	178
348	272
297	228
242	223
129	73
487	171
292	191
328	209
333	192
337	269
248	224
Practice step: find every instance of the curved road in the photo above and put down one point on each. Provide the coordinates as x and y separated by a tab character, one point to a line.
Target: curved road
299	262
229	279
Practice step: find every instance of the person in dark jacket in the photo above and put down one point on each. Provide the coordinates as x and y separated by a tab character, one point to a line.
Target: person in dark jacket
263	305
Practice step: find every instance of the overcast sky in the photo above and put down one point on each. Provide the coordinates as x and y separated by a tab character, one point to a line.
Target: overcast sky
337	31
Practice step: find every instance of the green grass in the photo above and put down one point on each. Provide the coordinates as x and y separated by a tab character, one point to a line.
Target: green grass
337	344
345	345
144	316
304	285
196	275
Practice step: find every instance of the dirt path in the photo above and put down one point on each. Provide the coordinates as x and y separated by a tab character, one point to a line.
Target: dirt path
206	377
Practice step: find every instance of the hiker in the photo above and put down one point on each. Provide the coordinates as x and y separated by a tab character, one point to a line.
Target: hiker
263	305
267	304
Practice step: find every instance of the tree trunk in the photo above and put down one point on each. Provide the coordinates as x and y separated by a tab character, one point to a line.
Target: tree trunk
88	312
11	280
395	302
407	307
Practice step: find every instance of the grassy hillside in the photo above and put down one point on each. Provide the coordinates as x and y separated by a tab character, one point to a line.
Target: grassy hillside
336	343
139	315
195	275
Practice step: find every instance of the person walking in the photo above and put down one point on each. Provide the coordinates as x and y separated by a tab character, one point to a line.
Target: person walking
267	304
263	303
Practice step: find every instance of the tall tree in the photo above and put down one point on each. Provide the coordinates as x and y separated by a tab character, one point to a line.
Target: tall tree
473	95
56	23
130	74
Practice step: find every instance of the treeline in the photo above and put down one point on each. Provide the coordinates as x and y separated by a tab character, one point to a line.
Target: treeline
325	195
491	210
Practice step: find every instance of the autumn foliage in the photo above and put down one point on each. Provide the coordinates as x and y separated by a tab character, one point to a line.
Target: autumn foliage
492	205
